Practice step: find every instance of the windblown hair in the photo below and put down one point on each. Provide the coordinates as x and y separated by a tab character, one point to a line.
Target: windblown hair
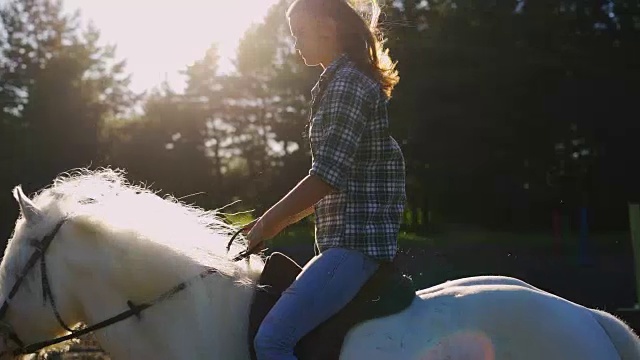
362	42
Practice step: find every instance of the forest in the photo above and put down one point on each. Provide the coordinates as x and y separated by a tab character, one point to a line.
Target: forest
507	112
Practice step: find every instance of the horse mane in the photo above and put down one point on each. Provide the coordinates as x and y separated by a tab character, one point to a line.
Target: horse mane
104	203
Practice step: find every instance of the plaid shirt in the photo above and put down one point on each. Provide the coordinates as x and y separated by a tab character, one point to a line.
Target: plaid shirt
353	152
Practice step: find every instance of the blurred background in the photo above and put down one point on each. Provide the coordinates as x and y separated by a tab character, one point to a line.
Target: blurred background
519	121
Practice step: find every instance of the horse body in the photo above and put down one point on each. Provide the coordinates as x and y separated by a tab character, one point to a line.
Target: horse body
112	251
472	318
488	317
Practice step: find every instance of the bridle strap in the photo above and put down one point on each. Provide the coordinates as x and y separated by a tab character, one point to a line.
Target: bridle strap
38	254
41	247
47	294
134	310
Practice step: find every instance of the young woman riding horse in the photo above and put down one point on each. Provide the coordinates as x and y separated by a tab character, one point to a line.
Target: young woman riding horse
356	184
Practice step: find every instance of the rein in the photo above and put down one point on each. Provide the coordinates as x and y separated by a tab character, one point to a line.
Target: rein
243	254
134	309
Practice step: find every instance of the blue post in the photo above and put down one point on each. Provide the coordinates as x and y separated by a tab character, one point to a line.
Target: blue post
584	237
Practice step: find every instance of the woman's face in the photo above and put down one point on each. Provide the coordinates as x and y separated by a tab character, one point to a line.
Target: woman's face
315	38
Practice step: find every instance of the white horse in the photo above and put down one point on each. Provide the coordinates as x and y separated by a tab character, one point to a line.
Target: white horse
124	243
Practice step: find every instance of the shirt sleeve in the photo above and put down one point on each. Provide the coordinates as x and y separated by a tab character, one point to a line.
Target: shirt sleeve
344	118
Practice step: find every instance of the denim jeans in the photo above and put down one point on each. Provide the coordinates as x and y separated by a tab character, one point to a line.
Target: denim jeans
325	285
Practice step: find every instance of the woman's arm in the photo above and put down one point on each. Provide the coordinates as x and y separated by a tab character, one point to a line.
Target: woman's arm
298	201
293	207
301	215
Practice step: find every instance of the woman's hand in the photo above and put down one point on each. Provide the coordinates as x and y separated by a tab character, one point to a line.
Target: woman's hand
261	230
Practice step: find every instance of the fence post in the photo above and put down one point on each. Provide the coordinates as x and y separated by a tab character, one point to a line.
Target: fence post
556	225
584	249
634	227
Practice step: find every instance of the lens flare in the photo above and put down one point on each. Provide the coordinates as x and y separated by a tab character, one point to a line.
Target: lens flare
462	345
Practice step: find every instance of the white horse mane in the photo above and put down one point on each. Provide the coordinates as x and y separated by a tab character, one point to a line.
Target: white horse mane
104	203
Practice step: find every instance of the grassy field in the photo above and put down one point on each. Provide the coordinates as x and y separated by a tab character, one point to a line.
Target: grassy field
465	237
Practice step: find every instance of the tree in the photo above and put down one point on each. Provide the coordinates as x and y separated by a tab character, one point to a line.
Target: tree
57	86
271	90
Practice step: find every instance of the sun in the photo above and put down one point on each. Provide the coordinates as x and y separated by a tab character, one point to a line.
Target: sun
160	38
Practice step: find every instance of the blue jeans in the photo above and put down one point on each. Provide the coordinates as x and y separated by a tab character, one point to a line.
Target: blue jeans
325	285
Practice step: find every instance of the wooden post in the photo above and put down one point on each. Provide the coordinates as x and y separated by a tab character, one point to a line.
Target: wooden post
556	224
632	315
584	250
634	227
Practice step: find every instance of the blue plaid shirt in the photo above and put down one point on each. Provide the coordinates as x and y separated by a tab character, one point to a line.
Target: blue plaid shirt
353	152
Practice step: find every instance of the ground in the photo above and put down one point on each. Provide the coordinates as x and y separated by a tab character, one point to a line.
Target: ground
598	275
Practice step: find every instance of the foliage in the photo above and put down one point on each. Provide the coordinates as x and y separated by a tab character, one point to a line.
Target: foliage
57	86
505	110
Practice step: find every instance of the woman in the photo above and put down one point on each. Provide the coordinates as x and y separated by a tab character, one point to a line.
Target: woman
356	184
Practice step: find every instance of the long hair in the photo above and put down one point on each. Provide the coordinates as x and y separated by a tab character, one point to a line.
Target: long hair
363	42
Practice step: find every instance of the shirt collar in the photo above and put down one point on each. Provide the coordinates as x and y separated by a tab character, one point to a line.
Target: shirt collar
334	66
328	72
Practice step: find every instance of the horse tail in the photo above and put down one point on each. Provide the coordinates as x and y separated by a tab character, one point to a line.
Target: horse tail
624	339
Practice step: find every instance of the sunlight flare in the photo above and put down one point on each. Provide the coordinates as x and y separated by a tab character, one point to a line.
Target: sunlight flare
158	39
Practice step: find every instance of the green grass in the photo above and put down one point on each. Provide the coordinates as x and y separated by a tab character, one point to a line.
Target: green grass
615	241
239	218
303	233
297	235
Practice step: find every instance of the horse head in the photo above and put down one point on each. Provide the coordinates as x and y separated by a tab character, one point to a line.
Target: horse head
25	316
92	247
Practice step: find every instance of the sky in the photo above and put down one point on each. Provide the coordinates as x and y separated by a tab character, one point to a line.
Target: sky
160	38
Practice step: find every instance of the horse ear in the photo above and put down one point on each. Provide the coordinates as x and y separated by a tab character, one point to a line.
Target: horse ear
28	209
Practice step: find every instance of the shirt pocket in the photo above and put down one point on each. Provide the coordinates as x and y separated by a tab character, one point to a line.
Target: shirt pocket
317	134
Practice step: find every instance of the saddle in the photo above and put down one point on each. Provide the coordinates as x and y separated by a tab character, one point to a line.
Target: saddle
387	292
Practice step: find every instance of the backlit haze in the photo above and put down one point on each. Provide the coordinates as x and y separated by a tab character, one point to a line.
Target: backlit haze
160	38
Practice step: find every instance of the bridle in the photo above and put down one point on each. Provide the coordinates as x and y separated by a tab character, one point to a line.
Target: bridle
134	309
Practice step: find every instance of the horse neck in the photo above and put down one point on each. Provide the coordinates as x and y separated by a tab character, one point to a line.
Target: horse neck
107	277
